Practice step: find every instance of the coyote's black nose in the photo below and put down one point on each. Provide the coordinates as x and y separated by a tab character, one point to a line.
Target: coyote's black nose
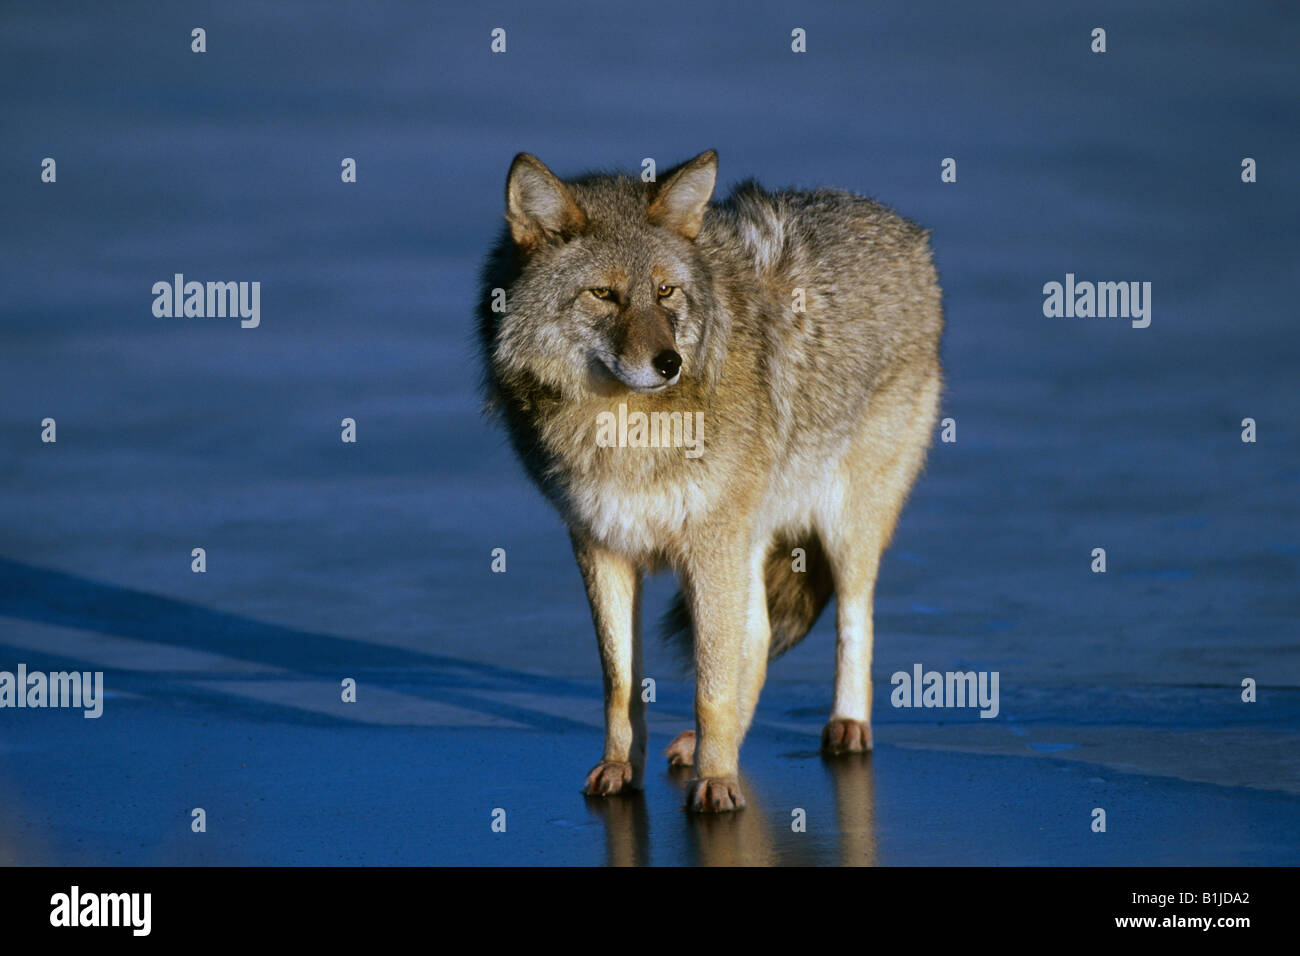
667	363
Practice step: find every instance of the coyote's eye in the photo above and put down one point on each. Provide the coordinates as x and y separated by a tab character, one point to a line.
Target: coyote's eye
666	290
600	293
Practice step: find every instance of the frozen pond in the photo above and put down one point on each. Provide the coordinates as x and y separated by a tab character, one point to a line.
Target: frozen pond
371	560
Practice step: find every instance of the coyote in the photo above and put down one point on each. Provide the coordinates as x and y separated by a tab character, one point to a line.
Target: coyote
800	331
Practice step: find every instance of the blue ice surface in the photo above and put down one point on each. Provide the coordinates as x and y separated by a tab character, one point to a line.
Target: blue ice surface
371	561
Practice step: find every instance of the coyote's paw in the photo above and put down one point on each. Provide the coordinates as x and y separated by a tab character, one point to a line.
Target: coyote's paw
608	778
681	752
844	736
714	795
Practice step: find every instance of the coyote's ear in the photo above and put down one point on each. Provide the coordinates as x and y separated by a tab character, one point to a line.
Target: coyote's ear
680	202
538	206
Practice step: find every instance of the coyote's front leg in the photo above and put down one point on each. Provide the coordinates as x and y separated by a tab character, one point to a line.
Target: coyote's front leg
716	583
614	590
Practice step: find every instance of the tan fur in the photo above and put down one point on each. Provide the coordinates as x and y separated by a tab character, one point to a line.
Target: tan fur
816	423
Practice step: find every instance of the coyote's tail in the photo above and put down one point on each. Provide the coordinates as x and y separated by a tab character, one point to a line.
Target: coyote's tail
795	599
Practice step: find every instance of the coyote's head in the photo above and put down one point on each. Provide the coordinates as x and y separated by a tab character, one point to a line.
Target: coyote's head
605	288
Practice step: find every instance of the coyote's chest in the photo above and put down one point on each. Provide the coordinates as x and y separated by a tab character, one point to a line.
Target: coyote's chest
638	513
631	479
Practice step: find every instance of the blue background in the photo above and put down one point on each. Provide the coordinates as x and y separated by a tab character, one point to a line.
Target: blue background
371	561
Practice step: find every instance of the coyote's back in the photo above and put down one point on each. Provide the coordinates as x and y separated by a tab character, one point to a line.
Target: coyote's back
851	298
